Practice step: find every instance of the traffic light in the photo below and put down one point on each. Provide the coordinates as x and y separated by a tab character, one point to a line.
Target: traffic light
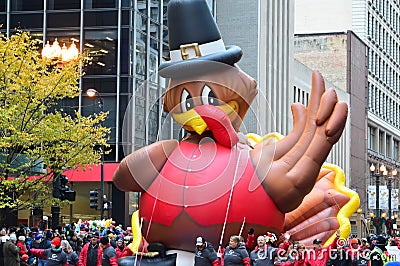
63	181
61	190
65	192
94	198
56	186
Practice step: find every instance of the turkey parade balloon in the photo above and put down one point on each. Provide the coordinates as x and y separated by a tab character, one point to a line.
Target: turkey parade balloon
217	182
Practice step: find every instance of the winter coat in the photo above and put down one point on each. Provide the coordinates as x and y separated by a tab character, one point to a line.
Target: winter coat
11	255
54	257
72	258
339	258
236	257
124	252
22	248
266	256
320	257
83	256
379	256
109	256
206	257
1	253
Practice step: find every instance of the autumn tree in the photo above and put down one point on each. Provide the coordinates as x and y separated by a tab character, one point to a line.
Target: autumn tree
35	131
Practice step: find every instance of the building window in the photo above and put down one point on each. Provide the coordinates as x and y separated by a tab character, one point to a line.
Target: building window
381	142
24	5
141	40
101	46
369	96
396	150
63	19
388	146
104	3
102	18
26	21
63	4
2	6
371	138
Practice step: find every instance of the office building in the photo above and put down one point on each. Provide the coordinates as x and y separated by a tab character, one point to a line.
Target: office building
377	24
126	41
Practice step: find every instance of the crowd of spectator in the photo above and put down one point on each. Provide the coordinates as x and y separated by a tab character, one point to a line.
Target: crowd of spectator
95	243
269	250
89	243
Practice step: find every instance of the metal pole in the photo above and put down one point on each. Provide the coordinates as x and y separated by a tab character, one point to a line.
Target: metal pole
91	93
390	196
390	203
377	183
102	169
102	185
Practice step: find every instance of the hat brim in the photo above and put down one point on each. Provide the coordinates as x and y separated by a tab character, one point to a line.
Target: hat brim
171	69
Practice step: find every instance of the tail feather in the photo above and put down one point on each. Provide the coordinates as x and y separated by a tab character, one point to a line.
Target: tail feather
324	210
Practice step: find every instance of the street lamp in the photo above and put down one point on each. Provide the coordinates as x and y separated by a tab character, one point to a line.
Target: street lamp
389	186
382	169
63	54
93	93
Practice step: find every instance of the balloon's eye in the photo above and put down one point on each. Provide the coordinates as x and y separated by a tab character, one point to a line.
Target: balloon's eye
186	101
208	96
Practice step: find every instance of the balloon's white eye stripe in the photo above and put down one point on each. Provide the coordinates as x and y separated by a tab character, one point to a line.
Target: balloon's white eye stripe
208	96
204	94
186	101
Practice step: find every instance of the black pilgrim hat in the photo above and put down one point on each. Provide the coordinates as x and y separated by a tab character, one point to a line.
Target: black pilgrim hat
194	39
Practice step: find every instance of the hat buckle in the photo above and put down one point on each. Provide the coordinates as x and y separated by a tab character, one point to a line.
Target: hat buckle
194	47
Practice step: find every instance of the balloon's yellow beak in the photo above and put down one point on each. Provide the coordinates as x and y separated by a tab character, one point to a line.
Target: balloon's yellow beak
192	121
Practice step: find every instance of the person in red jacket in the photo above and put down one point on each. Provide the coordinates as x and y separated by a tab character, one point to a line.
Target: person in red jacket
21	245
109	256
319	255
122	250
300	255
354	249
91	253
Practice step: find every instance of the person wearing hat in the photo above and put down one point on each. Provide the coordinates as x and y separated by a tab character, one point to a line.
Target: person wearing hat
72	257
11	252
21	245
364	244
379	255
109	256
319	255
55	255
205	254
37	244
354	248
91	252
25	261
122	250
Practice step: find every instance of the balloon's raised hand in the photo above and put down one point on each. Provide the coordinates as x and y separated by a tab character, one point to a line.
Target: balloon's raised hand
288	168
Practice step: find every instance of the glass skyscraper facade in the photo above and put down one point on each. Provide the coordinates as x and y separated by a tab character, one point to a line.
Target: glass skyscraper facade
126	41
